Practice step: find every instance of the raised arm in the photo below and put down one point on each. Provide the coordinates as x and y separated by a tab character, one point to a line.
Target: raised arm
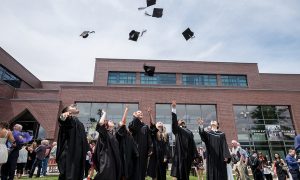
123	121
149	110
202	133
175	126
102	118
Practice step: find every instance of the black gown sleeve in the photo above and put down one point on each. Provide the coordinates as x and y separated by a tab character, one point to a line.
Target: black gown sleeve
203	134
226	153
134	125
150	143
175	127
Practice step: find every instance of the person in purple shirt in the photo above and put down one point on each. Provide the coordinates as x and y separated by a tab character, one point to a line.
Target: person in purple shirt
293	164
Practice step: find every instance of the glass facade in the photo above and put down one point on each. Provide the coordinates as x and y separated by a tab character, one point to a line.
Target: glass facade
190	113
199	79
234	80
9	77
114	111
159	79
121	77
268	129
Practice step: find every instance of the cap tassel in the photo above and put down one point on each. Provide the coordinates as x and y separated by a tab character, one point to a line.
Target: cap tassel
145	30
141	8
147	14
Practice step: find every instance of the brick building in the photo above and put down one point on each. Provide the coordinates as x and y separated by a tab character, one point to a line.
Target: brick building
261	110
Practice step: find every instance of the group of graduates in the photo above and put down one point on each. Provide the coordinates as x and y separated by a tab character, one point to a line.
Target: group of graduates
138	150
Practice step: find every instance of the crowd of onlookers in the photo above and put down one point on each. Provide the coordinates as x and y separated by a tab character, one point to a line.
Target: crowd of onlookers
249	164
20	158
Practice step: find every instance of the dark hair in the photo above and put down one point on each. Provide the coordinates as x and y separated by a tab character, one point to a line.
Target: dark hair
4	125
278	156
65	109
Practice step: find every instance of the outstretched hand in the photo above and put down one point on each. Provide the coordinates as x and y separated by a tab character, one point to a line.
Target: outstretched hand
66	114
149	110
126	107
200	121
173	104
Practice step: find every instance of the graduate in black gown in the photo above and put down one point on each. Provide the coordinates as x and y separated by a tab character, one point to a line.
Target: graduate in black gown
218	154
141	135
128	150
185	151
72	145
158	162
107	156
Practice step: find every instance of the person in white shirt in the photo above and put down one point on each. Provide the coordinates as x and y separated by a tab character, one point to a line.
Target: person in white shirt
22	160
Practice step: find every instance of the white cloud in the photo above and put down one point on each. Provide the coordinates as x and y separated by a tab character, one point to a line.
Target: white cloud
44	35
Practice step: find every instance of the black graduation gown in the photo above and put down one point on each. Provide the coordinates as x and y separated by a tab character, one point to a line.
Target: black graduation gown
72	147
185	151
128	153
157	168
107	157
141	135
217	150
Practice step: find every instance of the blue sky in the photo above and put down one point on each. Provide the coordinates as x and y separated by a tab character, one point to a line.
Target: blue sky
44	35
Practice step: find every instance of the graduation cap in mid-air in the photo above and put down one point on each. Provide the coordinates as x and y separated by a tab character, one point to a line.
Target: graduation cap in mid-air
187	34
149	3
134	35
157	12
85	34
149	70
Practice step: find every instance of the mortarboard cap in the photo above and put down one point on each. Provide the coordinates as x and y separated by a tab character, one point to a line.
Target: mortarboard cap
134	35
157	12
85	34
151	2
187	34
149	70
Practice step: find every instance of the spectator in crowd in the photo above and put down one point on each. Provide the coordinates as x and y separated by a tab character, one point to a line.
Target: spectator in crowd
256	166
91	163
9	168
279	167
31	157
293	164
5	134
22	159
200	164
46	159
241	156
40	155
266	168
52	160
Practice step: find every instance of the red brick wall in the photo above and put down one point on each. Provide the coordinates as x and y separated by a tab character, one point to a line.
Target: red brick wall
281	81
56	85
45	112
6	90
104	65
37	94
15	67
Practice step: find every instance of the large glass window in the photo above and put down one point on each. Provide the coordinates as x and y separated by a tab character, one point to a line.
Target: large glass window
114	111
199	79
190	113
234	80
121	77
159	78
9	77
268	129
